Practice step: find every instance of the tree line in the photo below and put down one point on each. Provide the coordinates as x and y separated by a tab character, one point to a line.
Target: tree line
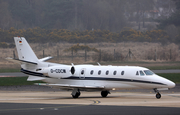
39	35
112	15
82	21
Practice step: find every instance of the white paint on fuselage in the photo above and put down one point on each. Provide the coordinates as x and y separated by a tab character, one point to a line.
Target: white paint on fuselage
129	74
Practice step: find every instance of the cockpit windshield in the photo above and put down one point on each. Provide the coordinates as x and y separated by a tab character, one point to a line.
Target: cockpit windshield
148	72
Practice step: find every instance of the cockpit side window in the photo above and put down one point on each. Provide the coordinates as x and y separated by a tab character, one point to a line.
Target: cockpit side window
141	73
148	72
137	73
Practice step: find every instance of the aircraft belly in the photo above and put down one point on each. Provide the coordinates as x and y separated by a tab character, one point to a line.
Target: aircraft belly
109	85
123	85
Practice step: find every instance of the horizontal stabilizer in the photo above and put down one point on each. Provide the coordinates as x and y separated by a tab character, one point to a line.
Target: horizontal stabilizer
20	61
46	58
70	86
35	78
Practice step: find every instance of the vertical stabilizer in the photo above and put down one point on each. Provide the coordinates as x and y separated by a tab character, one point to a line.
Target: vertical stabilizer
25	53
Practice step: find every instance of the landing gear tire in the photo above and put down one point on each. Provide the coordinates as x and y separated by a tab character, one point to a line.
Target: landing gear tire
76	95
158	95
104	93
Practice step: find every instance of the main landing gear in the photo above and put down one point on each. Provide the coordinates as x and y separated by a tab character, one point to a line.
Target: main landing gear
104	93
158	95
76	93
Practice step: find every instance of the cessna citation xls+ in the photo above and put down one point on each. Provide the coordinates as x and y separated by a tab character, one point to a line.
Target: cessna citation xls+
86	77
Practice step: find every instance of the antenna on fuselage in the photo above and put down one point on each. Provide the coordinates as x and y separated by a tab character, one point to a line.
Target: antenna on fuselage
98	63
72	64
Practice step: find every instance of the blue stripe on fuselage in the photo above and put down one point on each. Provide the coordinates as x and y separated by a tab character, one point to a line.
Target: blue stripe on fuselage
91	78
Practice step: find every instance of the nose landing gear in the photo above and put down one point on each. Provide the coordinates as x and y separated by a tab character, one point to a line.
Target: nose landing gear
158	95
104	93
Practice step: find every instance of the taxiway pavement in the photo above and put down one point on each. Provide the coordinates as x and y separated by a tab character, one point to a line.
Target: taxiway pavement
61	102
30	100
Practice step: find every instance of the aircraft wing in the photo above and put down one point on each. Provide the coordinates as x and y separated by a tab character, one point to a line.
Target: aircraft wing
67	86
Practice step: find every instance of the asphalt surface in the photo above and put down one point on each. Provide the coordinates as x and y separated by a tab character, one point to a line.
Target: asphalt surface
14	74
29	100
61	109
20	107
167	71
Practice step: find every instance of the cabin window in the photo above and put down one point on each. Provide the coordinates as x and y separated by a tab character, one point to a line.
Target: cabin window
99	72
107	72
82	72
114	73
141	73
148	72
91	72
122	73
137	73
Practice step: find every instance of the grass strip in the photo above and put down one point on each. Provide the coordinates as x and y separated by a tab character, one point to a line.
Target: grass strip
11	81
162	67
9	70
175	77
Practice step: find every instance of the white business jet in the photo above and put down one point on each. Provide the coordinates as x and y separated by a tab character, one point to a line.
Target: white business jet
86	77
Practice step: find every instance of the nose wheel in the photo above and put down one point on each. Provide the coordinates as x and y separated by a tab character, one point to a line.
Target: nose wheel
158	95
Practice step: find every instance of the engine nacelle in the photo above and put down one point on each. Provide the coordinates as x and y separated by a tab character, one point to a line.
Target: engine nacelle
57	71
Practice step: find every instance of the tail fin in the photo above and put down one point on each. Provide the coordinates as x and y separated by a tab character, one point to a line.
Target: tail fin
25	53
